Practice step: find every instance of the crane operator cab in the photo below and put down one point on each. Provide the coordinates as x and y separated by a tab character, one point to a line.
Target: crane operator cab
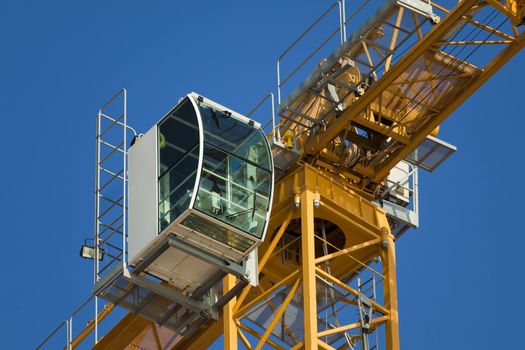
202	176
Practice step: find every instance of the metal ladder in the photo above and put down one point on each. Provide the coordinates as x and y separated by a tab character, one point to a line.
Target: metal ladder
110	236
366	311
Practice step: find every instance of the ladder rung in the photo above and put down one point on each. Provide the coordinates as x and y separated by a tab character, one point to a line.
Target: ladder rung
100	216
110	153
119	249
110	263
116	229
113	122
110	235
111	200
112	146
113	174
111	180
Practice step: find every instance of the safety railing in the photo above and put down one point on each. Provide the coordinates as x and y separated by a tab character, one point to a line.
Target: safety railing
274	131
80	326
340	4
110	238
56	339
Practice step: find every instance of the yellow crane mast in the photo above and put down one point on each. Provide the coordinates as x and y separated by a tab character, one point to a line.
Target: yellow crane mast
345	151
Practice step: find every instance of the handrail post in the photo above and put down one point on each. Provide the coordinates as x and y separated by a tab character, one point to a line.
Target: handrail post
97	199
70	333
276	135
125	182
96	320
343	23
341	20
276	131
279	82
415	194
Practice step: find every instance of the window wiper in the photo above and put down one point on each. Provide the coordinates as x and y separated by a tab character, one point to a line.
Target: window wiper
242	212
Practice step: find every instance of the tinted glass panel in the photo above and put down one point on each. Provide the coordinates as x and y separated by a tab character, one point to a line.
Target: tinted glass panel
178	149
176	187
233	136
234	191
218	233
178	134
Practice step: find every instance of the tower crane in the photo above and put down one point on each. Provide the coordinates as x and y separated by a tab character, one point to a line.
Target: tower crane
285	237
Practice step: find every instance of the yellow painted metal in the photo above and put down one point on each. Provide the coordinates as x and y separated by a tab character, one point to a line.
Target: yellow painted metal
156	336
308	267
347	251
244	339
324	346
288	138
350	290
317	143
395	90
278	313
388	257
257	335
123	334
517	9
265	257
91	325
363	225
230	328
393	41
265	293
374	323
203	339
500	60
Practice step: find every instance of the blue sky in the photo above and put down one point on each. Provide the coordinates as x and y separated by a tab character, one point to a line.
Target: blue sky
459	276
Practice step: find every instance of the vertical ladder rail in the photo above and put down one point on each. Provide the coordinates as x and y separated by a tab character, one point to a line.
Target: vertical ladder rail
110	196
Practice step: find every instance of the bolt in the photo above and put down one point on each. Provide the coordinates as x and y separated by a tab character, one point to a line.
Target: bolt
384	244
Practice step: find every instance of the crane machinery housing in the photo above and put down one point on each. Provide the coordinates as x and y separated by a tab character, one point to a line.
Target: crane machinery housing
284	235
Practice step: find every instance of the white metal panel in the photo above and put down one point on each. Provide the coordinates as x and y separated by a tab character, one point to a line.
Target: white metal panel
201	149
398	182
220	107
142	187
182	270
252	264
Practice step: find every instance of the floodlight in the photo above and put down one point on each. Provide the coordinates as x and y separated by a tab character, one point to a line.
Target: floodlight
88	251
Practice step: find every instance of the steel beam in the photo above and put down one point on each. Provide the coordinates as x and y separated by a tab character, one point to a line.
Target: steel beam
308	269
317	142
388	257
278	314
501	59
230	328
